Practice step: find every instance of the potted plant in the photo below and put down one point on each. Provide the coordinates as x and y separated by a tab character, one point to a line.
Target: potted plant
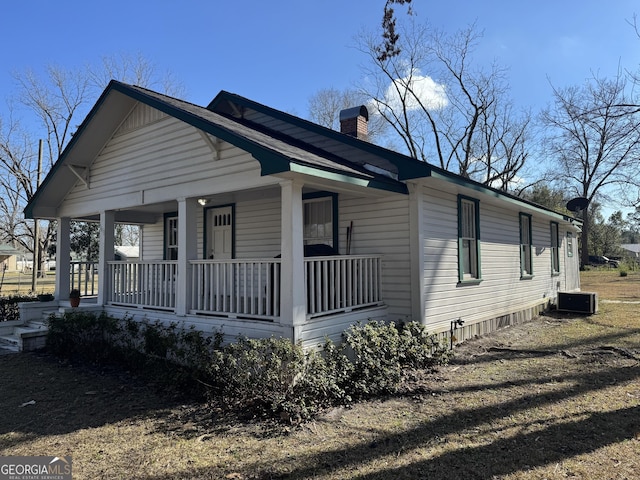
45	297
74	297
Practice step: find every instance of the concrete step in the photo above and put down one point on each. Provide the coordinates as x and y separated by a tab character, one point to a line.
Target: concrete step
37	325
10	340
25	338
6	348
28	331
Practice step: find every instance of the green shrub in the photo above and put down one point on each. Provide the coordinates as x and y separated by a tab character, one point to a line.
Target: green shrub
268	376
260	374
82	335
419	349
382	353
375	351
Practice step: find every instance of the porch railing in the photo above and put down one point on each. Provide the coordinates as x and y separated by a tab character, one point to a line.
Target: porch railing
144	284
246	287
249	288
83	277
342	283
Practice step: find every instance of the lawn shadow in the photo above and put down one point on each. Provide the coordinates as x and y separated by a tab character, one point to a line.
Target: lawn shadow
42	395
492	353
541	442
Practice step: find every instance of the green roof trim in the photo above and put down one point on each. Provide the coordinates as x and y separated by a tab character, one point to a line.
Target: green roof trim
271	161
363	182
505	196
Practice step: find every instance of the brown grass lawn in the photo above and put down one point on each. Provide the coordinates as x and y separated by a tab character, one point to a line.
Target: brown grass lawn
555	398
14	283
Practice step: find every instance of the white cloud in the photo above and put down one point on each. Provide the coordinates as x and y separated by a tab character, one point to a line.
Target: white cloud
426	93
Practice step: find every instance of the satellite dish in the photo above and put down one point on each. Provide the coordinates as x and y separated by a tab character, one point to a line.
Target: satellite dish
577	204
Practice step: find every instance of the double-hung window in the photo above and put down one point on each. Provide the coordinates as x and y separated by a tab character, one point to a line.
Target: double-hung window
555	249
320	219
468	239
526	262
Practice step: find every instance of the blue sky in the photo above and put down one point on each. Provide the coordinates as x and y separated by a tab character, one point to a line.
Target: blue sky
280	53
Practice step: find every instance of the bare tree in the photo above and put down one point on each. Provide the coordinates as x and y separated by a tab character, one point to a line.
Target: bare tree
444	109
593	137
18	179
133	69
58	100
325	105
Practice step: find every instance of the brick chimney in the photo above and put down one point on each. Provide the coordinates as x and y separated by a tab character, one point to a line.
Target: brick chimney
353	121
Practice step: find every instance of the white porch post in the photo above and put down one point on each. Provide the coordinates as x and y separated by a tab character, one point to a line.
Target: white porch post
63	257
187	250
293	300
107	253
416	248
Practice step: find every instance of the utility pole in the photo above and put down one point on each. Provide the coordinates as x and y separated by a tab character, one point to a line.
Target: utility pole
36	231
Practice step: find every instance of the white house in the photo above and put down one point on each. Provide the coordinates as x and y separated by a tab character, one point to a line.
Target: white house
260	223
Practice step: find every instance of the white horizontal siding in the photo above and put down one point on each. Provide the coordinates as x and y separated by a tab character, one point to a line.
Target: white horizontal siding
232	329
315	332
381	227
152	242
166	157
258	227
502	289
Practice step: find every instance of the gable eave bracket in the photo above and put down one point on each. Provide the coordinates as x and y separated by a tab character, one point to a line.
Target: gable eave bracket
214	144
81	172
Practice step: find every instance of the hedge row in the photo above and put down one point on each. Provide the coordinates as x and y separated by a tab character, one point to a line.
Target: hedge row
272	377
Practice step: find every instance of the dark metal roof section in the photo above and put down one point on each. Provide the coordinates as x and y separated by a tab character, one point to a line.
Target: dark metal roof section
354	112
349	148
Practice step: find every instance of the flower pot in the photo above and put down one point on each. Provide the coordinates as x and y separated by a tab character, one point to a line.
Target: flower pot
75	301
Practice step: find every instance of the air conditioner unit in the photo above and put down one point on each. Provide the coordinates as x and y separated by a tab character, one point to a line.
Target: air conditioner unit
579	302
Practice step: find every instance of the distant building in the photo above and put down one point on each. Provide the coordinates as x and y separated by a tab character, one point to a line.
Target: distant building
631	250
9	258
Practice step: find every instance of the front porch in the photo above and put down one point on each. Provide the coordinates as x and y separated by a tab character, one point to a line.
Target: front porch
275	260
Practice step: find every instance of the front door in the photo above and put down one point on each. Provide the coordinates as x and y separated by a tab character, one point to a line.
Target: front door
220	233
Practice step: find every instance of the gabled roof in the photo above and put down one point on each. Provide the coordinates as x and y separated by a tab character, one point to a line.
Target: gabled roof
279	141
344	146
276	154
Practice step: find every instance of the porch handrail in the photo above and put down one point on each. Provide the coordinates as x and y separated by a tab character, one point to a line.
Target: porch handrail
342	283
143	283
83	277
248	288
